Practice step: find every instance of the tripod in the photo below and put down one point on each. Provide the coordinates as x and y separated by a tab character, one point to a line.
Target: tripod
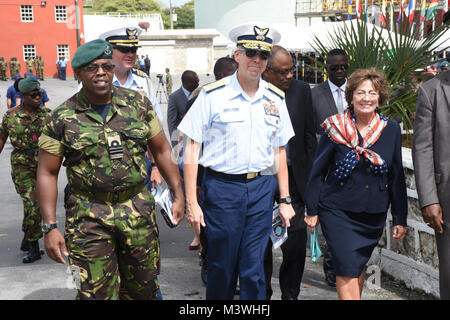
161	88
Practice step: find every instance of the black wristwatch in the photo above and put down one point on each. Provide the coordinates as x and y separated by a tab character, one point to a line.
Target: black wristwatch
286	200
46	228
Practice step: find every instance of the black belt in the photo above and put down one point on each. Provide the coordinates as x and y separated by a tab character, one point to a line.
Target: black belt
111	197
233	177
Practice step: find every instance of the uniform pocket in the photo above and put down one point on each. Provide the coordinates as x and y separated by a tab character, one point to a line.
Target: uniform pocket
83	152
231	115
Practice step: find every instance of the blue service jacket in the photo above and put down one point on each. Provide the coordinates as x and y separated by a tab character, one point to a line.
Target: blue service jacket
362	190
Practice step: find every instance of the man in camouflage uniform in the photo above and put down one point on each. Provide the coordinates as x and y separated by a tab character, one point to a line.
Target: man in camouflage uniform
3	68
23	125
169	82
30	63
103	132
12	67
41	68
16	66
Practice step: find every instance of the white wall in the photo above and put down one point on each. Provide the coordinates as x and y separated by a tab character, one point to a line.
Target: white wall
225	14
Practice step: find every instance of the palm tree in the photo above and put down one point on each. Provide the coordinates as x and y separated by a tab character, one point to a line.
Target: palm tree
399	54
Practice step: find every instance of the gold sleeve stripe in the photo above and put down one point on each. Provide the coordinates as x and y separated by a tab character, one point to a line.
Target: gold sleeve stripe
51	145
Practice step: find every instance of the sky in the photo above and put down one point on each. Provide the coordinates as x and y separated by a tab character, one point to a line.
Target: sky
175	3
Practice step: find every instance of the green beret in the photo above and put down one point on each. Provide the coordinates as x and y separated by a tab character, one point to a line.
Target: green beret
92	50
28	84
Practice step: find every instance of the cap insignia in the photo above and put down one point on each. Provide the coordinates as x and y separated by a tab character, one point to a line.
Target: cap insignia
260	33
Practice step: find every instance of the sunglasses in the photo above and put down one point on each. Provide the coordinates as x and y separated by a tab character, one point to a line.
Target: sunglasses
93	68
250	53
126	49
35	95
343	67
284	72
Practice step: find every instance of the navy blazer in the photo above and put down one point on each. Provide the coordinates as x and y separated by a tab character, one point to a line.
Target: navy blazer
362	190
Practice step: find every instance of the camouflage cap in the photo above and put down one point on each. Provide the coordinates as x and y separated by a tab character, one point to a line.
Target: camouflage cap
28	84
92	50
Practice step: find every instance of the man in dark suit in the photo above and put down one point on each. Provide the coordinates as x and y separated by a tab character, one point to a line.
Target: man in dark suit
300	155
176	108
328	98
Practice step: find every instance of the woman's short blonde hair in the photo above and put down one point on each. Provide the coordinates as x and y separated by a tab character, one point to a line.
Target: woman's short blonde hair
378	79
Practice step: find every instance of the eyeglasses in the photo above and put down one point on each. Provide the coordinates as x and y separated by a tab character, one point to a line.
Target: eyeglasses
93	68
250	53
35	95
284	72
362	94
126	49
343	67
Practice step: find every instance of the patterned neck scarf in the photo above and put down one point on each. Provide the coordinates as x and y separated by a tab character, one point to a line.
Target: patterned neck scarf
341	128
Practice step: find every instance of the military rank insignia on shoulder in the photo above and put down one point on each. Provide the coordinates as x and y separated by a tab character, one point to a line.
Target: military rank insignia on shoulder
139	73
276	90
215	85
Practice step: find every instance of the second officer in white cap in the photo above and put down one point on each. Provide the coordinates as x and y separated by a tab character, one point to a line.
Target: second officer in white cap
244	125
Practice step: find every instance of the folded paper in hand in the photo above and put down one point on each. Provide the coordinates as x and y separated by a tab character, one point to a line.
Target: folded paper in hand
314	246
279	233
163	201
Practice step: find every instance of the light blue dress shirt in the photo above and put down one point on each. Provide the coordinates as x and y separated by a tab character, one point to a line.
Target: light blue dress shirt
62	63
186	93
239	133
136	82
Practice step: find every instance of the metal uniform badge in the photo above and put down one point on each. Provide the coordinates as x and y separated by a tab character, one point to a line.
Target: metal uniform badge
260	33
115	146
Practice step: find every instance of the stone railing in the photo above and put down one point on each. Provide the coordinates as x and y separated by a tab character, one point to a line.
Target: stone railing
414	259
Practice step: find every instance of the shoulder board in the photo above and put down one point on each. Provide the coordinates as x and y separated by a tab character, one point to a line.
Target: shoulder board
215	85
139	73
276	90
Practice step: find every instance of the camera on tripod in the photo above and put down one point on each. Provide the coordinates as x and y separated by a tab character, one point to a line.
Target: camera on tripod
160	77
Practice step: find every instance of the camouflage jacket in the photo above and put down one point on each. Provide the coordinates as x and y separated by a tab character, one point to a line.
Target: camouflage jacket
75	131
3	65
24	132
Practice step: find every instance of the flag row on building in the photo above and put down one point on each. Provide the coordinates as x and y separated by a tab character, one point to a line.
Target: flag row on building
406	8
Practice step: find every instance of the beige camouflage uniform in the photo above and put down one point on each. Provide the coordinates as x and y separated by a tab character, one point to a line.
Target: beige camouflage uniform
111	232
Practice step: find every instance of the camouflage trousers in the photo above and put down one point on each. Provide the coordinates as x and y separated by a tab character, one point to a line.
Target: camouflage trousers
24	179
115	247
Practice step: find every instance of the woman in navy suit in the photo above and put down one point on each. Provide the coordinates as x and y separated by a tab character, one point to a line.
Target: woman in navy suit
357	173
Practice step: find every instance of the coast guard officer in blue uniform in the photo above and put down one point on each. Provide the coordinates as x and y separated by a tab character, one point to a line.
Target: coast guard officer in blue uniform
244	125
125	42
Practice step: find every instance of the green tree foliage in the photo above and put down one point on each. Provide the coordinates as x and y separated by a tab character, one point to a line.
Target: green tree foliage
185	13
126	6
185	16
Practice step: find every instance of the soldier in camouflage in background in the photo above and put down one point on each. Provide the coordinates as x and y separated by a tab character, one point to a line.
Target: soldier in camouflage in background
23	125
16	66
3	69
30	63
36	64
11	67
103	132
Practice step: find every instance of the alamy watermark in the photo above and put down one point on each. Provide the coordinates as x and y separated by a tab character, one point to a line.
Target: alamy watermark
374	279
